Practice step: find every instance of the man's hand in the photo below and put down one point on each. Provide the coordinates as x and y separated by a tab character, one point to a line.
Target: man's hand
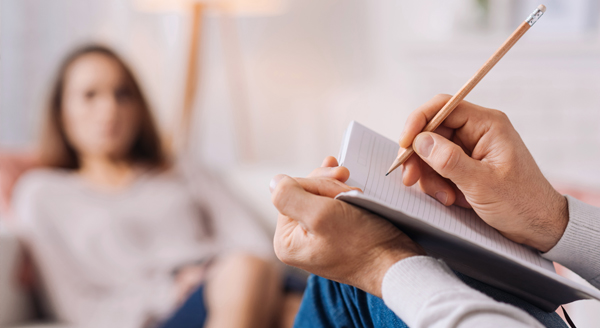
331	238
477	159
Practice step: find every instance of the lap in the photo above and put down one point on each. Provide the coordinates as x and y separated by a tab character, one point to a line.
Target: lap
331	304
192	314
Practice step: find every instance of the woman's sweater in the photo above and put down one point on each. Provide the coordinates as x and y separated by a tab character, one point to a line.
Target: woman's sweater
107	259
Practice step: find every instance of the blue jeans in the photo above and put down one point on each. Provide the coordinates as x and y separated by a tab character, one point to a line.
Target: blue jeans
192	314
330	304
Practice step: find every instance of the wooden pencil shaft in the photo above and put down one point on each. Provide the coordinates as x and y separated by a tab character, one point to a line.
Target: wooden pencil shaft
437	120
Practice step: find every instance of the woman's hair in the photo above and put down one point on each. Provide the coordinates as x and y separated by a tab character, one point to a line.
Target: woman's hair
57	151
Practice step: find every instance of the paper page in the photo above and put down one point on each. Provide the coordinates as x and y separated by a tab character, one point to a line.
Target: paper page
368	156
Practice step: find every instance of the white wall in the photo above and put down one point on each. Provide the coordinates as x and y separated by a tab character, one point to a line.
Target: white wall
322	63
35	35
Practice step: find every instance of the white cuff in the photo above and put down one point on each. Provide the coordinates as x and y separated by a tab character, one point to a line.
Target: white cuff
410	283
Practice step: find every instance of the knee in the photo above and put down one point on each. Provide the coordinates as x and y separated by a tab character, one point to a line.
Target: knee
247	264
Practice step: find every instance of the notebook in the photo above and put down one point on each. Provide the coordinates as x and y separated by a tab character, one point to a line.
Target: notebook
456	235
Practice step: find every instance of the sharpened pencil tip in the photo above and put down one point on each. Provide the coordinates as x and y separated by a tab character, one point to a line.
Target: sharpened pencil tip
387	174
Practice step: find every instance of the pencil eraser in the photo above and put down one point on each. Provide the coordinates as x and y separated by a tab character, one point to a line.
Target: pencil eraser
542	8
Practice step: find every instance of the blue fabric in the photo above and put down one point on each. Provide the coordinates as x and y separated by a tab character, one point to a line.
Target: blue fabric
330	304
192	314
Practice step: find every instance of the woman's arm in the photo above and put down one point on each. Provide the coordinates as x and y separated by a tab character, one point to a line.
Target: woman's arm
231	223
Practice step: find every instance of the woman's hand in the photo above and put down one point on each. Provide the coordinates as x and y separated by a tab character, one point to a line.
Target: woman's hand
187	280
477	159
331	238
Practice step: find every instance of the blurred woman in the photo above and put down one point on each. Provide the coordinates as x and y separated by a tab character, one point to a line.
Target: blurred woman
123	237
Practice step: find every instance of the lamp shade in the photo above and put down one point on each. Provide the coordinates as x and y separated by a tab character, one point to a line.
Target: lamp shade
236	7
162	5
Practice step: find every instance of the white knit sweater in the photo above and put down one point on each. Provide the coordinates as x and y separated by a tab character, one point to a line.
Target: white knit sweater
107	258
425	293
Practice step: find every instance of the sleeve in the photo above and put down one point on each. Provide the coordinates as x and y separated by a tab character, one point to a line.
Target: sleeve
424	292
27	191
233	225
579	247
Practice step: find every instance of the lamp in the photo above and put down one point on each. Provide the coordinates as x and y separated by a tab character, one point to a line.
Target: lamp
226	9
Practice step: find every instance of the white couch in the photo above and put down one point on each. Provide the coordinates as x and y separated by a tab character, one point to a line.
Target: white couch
13	300
15	305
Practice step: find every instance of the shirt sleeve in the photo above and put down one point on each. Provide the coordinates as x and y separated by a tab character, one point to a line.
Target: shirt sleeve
424	292
579	247
232	223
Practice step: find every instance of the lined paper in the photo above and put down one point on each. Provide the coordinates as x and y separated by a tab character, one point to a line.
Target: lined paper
368	156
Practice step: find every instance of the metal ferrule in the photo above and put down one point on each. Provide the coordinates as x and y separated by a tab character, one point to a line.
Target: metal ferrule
534	17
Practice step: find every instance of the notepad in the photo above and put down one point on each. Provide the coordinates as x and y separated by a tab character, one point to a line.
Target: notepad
454	234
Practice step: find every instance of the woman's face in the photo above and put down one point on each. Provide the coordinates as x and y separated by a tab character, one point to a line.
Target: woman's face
100	113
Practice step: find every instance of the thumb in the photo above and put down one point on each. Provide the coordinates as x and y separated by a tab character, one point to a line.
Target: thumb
446	157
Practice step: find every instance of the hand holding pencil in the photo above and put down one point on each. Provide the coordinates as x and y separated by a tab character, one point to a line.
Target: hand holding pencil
404	154
476	159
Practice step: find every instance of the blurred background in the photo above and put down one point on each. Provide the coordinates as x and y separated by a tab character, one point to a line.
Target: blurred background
278	81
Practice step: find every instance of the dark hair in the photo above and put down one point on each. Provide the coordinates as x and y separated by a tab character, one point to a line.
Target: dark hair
57	151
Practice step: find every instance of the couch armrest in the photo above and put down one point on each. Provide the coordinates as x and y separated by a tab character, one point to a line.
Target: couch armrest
14	302
12	165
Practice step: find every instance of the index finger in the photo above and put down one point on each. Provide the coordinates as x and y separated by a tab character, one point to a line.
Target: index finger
292	200
466	114
321	186
417	120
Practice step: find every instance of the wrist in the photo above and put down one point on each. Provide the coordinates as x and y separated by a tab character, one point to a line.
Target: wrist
557	218
383	262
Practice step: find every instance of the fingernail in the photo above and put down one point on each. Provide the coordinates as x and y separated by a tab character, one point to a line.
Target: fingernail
441	196
275	181
423	145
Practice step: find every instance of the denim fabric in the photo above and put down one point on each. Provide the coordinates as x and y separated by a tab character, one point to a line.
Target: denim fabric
192	314
330	304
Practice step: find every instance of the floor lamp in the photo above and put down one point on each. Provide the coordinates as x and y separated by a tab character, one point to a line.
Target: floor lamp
227	10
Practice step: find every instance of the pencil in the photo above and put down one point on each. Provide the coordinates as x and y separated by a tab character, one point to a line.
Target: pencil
403	155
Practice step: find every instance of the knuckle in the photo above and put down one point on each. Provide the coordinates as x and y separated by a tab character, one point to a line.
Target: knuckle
279	195
314	173
503	121
442	96
500	116
318	218
412	117
448	160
